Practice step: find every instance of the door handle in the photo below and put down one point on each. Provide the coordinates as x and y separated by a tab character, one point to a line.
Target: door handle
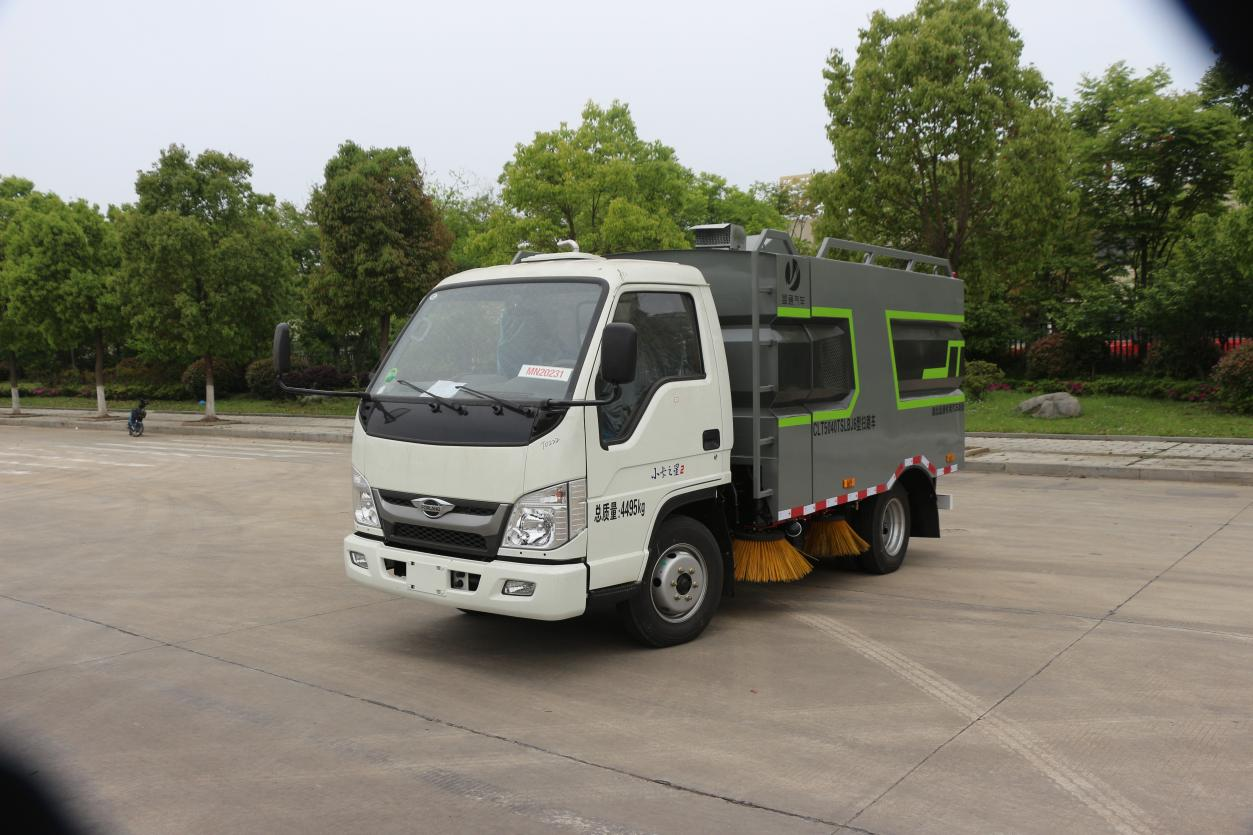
711	439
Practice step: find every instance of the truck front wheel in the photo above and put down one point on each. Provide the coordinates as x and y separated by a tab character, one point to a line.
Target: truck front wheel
682	585
885	525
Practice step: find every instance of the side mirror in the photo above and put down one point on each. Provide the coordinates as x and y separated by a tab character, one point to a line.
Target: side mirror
617	353
282	349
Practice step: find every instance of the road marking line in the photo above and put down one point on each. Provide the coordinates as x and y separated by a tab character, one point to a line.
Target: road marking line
97	461
14	472
138	451
1119	812
224	449
219	456
224	444
37	464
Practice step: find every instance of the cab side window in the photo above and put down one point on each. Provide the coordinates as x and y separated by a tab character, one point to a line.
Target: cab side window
669	349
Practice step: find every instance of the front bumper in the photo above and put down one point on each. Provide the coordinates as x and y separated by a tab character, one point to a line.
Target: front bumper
560	590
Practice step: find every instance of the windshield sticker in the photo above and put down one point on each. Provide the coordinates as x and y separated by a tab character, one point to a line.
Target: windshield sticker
444	388
391	376
546	372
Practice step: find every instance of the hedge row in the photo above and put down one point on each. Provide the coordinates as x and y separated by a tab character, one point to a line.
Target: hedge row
258	380
1156	388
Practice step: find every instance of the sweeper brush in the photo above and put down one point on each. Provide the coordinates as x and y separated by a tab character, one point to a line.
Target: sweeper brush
767	557
834	538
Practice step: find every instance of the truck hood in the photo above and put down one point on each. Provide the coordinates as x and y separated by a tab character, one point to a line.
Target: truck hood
481	473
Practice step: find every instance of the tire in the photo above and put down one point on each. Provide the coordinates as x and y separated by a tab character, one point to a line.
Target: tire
139	430
885	525
682	585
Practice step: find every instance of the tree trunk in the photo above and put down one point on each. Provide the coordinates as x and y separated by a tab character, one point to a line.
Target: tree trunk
102	408
17	400
210	407
385	329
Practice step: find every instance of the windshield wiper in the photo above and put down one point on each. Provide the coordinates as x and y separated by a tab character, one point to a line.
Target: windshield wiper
439	401
500	402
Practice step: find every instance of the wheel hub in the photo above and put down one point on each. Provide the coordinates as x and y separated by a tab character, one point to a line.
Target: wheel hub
893	529
678	583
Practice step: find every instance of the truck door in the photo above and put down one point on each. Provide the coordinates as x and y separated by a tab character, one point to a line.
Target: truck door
665	435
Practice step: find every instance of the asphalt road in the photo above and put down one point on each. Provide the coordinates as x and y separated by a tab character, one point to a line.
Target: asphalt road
178	644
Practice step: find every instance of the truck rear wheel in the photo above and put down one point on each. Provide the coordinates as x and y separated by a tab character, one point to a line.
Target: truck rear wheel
885	525
682	585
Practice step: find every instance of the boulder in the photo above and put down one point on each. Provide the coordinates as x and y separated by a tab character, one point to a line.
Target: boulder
1056	405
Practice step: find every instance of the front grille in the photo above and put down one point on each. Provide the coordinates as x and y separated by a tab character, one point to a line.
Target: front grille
421	534
458	507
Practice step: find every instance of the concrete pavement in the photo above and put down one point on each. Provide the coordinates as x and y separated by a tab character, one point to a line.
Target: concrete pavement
181	646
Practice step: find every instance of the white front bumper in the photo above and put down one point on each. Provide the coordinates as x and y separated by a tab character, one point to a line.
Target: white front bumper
560	590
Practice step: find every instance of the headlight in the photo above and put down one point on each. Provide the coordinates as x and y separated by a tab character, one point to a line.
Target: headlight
548	518
363	509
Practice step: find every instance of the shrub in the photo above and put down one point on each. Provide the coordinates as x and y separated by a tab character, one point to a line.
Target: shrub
1049	356
261	380
227	377
319	377
980	376
1060	355
1182	358
1234	376
1155	388
152	391
137	370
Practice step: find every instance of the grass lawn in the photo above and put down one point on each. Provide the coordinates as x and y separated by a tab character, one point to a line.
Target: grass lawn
1109	415
331	407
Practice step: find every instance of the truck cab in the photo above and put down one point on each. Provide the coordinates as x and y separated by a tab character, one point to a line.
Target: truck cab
567	427
527	511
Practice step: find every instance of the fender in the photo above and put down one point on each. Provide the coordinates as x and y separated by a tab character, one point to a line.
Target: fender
707	505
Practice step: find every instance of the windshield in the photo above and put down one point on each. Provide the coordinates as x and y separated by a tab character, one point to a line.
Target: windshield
521	341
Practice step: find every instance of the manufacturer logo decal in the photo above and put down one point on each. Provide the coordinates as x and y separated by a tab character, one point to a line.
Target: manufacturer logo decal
432	508
792	275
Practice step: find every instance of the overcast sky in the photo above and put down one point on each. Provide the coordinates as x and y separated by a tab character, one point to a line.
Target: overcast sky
91	91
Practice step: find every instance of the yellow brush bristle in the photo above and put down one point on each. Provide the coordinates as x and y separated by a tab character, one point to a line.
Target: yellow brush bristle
768	561
834	538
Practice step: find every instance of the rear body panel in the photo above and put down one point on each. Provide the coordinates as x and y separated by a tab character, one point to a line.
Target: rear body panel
860	367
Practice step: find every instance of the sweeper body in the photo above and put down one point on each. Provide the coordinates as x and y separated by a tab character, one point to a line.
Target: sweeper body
649	429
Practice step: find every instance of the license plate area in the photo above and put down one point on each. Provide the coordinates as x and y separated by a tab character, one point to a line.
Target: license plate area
428	579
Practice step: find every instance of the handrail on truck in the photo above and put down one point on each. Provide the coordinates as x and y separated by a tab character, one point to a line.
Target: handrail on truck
910	258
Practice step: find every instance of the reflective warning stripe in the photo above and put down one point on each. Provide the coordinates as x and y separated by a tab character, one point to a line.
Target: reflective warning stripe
836	501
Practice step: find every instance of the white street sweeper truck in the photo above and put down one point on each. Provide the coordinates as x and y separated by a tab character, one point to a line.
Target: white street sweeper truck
649	429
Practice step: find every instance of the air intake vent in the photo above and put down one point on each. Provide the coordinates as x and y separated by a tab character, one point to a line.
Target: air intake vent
719	236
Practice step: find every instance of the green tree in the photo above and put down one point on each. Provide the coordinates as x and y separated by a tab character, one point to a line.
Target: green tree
469	209
1227	85
61	268
600	184
564	183
1206	287
712	200
1149	162
207	263
16	336
383	243
920	124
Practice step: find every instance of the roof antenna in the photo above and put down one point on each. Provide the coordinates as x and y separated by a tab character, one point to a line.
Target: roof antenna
568	242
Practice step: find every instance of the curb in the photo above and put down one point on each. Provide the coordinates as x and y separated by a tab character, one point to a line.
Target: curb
1097	471
1062	436
226	431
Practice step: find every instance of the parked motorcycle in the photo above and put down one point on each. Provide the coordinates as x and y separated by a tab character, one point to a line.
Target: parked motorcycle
135	423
